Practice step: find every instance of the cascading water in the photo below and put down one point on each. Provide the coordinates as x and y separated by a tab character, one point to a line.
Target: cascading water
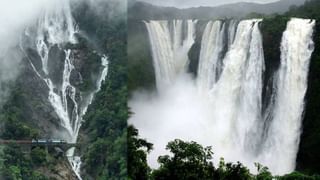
291	85
53	30
170	48
211	48
223	105
236	92
232	31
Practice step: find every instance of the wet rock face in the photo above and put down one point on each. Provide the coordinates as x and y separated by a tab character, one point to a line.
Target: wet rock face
76	78
78	61
56	64
87	67
34	58
37	109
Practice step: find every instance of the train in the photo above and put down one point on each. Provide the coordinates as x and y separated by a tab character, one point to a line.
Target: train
48	141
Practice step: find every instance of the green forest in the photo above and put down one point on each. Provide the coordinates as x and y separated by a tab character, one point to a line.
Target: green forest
190	160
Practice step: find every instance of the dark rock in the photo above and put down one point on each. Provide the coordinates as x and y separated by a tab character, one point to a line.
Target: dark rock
56	61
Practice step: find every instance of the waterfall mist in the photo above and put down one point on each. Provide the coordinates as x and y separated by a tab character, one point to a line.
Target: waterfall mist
15	15
222	106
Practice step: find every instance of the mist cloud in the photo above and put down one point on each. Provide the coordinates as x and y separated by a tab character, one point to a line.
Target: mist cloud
165	116
107	8
15	16
197	3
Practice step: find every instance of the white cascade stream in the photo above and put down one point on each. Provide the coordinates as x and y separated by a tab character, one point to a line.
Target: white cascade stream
170	47
56	28
291	86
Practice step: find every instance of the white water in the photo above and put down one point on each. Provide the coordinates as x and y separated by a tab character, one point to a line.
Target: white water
170	48
211	48
237	91
222	107
56	28
101	78
291	85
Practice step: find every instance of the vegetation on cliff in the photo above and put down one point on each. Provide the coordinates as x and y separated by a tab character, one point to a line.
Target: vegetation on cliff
105	124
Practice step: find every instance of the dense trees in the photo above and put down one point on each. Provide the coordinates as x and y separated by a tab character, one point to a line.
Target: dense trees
137	155
17	165
14	163
191	161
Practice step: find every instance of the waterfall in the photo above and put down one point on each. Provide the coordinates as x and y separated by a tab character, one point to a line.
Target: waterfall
211	47
54	29
291	85
101	78
250	98
232	32
226	111
236	96
170	47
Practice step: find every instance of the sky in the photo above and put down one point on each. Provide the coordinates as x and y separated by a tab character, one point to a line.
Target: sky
197	3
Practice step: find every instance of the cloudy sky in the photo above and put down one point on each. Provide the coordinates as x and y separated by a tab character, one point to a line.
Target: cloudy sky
197	3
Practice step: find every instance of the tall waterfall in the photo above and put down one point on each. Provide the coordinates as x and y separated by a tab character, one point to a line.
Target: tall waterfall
236	97
170	47
222	106
211	49
291	85
54	29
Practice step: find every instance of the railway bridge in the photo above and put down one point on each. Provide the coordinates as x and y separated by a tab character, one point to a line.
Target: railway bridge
47	143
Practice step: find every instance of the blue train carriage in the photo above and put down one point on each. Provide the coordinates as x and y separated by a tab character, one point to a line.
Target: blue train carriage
48	141
57	141
39	141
